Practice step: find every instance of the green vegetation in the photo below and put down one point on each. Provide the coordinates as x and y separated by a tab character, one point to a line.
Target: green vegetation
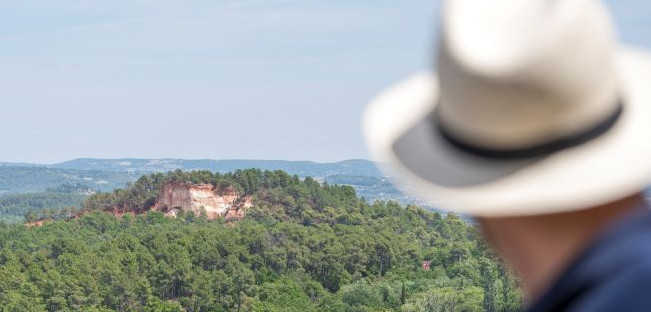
17	180
372	188
55	203
108	174
303	247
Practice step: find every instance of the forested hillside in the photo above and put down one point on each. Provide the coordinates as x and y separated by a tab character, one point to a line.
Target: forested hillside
18	180
304	246
27	183
46	205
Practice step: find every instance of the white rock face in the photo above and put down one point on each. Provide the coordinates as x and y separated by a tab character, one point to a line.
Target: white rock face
193	198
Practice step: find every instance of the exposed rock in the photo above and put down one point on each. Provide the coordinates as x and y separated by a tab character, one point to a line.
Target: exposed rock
247	202
38	223
172	213
119	212
235	214
184	196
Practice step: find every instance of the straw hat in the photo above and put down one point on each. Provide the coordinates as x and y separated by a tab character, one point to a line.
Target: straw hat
534	109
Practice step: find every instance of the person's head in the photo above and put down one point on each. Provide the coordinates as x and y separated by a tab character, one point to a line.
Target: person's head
535	116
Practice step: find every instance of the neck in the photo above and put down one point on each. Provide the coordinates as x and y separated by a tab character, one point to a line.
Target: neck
540	247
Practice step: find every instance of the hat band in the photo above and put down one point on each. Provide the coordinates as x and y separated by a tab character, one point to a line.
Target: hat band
539	149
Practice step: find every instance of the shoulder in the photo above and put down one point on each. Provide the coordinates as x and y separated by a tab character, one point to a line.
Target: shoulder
626	291
613	274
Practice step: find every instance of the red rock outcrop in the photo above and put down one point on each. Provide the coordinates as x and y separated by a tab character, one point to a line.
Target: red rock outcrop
37	223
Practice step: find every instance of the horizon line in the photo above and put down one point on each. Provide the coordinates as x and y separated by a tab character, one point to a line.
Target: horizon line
2	163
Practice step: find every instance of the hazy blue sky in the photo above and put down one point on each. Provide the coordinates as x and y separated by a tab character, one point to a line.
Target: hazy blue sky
268	79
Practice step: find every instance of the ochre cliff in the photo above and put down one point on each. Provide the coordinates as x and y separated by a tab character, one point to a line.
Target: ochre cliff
184	196
175	197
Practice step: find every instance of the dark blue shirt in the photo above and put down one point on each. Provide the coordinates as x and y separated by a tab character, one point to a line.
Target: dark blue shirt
613	274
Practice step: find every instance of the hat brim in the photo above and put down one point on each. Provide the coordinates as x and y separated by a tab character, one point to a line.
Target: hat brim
401	135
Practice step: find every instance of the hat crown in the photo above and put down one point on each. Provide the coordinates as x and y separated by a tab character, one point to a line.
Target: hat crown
521	73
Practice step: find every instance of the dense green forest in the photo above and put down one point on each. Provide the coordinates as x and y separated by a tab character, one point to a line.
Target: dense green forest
304	246
16	208
31	181
55	203
372	188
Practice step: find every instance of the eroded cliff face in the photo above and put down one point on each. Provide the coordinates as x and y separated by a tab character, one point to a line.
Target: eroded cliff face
183	196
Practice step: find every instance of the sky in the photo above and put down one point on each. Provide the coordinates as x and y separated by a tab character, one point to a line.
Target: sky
225	79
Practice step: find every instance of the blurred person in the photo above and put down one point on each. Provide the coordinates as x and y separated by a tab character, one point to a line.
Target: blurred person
535	123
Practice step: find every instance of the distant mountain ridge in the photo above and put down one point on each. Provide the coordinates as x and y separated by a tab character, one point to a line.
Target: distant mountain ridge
15	164
108	174
34	179
356	167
